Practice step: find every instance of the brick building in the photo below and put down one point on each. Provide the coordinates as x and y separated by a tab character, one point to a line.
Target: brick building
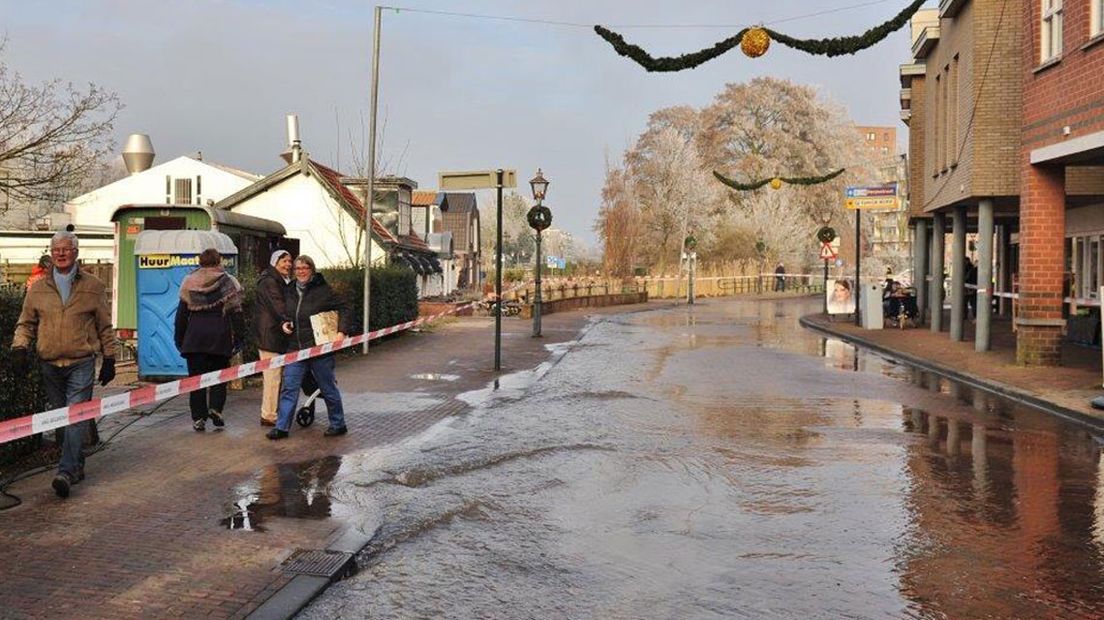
961	100
1004	101
1062	145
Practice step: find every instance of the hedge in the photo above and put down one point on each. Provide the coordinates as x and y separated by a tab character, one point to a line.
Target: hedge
21	394
394	298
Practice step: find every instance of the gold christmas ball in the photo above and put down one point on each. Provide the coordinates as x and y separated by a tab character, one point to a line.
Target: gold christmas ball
775	183
755	42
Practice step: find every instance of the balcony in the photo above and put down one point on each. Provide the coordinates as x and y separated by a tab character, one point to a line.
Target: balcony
909	71
950	8
925	42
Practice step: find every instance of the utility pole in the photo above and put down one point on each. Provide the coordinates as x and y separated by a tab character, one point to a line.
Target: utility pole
371	198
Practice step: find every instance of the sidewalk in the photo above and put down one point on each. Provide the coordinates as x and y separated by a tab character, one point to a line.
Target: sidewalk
1064	391
148	534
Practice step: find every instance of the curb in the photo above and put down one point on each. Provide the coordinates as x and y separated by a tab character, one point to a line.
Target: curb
1004	390
294	596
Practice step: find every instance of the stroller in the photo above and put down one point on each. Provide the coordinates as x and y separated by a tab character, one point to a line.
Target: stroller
305	415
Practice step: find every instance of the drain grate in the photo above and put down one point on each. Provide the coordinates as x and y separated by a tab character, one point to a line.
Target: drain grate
320	563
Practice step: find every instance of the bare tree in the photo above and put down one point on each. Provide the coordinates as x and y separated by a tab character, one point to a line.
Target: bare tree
52	137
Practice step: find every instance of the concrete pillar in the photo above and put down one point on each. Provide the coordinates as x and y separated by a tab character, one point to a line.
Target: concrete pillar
1042	263
1003	271
984	275
958	273
920	266
935	287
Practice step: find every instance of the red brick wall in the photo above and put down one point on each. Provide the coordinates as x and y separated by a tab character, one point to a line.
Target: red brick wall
1042	248
1069	92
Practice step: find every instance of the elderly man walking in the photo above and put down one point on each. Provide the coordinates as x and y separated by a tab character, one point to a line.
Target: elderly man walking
67	316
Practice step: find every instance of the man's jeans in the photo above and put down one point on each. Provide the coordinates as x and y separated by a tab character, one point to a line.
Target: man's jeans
323	370
69	385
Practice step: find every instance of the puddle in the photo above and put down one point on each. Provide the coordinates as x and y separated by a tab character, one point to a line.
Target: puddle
289	490
432	376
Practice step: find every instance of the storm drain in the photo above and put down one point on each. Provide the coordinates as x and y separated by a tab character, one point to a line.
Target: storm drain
332	565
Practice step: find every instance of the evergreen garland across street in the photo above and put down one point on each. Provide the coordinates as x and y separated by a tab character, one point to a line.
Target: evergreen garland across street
837	46
747	187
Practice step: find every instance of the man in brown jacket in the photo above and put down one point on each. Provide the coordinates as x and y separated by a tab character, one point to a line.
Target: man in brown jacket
66	315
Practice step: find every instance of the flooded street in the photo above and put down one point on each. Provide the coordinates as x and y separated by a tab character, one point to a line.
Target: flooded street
716	462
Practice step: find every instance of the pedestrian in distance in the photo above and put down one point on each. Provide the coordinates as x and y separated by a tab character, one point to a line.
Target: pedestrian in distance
41	269
780	277
66	315
209	330
270	315
971	291
311	295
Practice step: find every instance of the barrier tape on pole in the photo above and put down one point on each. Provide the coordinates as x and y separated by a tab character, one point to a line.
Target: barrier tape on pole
18	428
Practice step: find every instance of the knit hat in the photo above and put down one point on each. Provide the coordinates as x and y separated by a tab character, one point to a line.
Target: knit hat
277	255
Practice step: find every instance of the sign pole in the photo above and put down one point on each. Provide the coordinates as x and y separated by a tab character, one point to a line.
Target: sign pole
498	277
858	268
826	286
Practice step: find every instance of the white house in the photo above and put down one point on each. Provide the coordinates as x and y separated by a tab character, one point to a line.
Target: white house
314	206
184	180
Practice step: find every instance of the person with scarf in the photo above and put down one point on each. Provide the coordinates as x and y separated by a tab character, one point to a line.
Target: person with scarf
271	314
311	295
209	330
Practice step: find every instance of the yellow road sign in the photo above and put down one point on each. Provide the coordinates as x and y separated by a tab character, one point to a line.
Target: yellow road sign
887	203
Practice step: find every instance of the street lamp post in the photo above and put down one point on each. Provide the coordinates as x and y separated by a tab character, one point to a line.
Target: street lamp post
540	218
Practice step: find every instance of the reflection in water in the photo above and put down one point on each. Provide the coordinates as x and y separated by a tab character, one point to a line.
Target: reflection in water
292	490
734	466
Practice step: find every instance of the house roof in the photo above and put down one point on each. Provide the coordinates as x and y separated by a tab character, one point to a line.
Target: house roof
332	180
458	202
327	177
248	176
423	198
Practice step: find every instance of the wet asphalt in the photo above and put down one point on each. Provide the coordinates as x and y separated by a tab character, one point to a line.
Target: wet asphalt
714	461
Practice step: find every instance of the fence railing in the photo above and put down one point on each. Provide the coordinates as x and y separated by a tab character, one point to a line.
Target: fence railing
671	287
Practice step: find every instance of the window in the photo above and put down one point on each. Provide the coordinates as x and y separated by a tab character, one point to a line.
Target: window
404	219
952	112
1050	44
168	189
199	188
870	136
937	158
1096	18
183	194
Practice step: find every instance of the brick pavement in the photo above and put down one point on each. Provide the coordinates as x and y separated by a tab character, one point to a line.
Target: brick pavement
142	536
1070	386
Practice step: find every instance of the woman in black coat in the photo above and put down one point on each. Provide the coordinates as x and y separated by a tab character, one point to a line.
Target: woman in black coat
310	295
209	329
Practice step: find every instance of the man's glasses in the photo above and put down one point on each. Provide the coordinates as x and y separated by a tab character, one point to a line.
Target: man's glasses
63	250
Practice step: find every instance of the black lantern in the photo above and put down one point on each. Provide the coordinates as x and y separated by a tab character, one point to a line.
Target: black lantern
539	185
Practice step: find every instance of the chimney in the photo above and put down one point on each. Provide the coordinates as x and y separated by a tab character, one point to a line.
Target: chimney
293	138
138	153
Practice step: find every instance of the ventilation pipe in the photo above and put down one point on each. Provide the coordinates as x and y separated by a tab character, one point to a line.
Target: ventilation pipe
138	153
293	138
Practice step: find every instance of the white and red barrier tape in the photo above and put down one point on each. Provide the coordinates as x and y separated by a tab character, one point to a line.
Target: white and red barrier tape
18	428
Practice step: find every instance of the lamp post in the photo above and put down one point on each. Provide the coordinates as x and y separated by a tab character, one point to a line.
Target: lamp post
540	218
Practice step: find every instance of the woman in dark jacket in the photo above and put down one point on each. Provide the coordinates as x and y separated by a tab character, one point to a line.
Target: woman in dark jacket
209	330
271	314
310	295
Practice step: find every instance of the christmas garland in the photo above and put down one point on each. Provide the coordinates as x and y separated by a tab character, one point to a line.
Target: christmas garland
776	182
824	47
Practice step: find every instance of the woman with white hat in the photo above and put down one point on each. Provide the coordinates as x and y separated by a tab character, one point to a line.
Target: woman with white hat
271	314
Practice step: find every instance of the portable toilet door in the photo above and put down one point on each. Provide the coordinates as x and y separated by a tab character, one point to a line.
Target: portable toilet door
163	258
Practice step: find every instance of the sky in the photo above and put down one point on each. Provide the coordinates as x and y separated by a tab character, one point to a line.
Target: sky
456	93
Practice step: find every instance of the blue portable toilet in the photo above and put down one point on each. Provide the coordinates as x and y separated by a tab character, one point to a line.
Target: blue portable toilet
163	258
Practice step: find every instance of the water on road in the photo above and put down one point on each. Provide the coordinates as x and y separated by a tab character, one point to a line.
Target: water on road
721	462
